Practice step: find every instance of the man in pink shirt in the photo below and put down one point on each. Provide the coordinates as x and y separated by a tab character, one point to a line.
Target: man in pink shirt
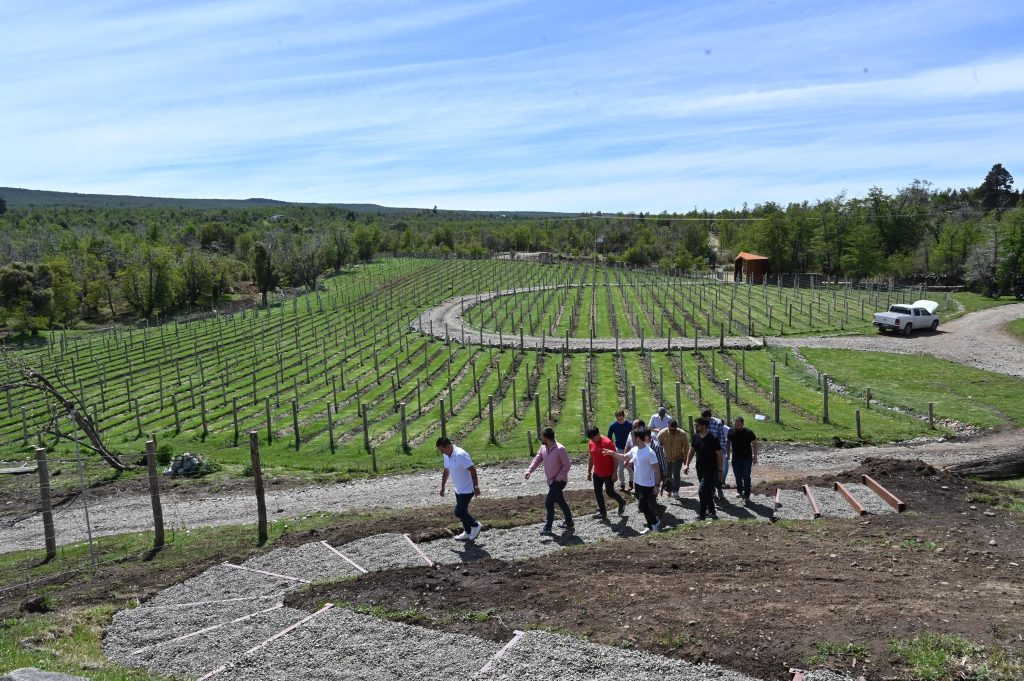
556	468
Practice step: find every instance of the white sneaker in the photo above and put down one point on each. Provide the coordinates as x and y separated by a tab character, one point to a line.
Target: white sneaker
462	537
475	532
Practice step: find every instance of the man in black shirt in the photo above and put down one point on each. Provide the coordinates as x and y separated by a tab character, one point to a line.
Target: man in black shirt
744	455
708	452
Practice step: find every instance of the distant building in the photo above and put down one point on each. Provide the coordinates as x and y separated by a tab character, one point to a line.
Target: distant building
754	266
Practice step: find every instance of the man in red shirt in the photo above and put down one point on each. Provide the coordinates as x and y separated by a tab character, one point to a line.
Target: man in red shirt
602	471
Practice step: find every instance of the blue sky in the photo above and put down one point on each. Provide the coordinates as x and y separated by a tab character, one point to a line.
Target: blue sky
509	104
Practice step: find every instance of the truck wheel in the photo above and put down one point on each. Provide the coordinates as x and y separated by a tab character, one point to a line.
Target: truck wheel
908	329
935	325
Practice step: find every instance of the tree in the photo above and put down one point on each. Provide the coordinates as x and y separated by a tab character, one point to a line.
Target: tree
196	274
996	191
366	239
983	264
3	205
26	294
149	282
339	252
264	272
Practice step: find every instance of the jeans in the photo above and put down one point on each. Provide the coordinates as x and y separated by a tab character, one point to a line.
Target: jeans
623	471
675	469
462	511
648	505
741	470
555	496
609	488
725	470
706	494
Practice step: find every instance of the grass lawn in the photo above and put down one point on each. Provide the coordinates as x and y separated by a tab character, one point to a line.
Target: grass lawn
910	382
1016	328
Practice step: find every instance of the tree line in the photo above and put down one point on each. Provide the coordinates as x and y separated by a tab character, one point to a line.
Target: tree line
61	265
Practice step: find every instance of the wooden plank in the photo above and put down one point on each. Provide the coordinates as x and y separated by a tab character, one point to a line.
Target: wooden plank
850	499
18	471
887	496
814	502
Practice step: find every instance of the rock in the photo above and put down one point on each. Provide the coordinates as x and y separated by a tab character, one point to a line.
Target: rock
39	604
33	674
988	513
993	542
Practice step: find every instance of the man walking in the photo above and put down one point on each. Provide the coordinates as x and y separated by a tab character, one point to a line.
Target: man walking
720	430
459	467
676	444
745	449
709	466
556	467
601	470
659	420
646	477
619	432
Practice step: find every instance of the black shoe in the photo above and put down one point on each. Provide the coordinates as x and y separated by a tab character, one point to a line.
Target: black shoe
702	517
622	508
714	516
721	494
546	532
600	516
661	510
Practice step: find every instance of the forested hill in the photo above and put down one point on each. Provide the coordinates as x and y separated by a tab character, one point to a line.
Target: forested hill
17	198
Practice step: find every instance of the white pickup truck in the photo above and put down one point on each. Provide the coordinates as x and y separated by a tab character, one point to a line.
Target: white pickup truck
917	316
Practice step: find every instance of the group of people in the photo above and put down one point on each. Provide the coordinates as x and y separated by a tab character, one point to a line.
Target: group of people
647	460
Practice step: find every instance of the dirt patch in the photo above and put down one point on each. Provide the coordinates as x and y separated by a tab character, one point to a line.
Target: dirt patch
755	597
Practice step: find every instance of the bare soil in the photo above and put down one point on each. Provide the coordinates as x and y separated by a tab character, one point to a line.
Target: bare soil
750	596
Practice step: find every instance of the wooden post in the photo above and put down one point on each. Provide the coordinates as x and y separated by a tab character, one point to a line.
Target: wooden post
366	431
824	398
202	415
632	397
177	416
330	428
583	397
444	420
721	336
405	434
515	400
728	402
295	423
867	398
138	419
257	477
857	418
234	418
490	416
536	411
775	392
154	496
270	425
549	399
49	535
679	401
931	415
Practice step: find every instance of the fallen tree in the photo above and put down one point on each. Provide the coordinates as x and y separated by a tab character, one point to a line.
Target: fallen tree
61	401
999	467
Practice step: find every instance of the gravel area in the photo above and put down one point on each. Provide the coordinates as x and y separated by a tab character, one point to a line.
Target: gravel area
382	552
977	340
222	582
795	506
831	504
871	502
341	644
540	656
310	562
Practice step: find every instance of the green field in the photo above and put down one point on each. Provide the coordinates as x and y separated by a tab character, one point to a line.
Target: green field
349	349
1016	328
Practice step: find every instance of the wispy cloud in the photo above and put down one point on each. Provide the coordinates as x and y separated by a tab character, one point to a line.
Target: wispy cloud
510	105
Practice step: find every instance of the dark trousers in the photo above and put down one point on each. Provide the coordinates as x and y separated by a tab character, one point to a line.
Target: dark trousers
555	496
646	501
462	511
741	470
706	494
609	488
675	469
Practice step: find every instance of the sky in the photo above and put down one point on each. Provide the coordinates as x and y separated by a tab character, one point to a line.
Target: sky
510	104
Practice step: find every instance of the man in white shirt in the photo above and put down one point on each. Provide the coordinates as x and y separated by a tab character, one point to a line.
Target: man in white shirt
646	477
459	467
659	421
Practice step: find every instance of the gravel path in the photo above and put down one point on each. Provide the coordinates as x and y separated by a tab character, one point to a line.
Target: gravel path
231	619
977	339
133	512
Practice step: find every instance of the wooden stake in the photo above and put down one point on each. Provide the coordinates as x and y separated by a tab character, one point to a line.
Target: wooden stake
257	477
154	495
49	535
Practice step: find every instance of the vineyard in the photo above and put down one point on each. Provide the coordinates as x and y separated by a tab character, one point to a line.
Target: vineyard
339	380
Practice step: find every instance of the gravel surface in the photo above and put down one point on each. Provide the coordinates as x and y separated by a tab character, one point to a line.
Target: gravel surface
795	506
341	644
222	582
540	656
977	340
382	552
831	504
310	562
871	502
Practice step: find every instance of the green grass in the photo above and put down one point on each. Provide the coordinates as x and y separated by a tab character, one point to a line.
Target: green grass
971	302
67	642
932	657
827	651
1016	328
966	394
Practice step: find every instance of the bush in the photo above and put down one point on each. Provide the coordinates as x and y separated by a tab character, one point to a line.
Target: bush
163	455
